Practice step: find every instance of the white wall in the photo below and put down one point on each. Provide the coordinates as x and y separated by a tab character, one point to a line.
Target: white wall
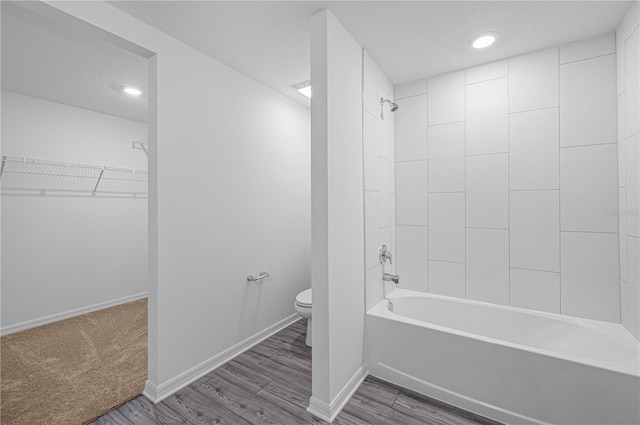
521	163
61	253
337	215
628	48
379	176
229	196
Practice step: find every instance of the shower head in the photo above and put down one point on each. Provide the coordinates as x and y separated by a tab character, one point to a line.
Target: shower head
394	106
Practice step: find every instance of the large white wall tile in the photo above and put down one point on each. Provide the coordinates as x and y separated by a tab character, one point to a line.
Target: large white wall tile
488	265
534	150
385	84
533	81
622	232
633	245
588	102
588	48
535	290
620	57
590	282
632	82
371	225
384	199
487	186
370	147
411	192
411	128
446	98
447	278
412	254
589	177
633	185
385	147
447	228
413	88
624	304
535	230
631	20
370	85
373	288
446	158
392	163
487	117
622	143
487	71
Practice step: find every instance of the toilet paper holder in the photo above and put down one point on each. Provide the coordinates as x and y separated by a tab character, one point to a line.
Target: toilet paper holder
252	278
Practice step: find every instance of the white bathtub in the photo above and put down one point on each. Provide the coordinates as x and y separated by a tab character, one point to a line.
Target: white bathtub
512	365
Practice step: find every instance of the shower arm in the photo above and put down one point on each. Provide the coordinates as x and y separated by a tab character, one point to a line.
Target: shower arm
393	105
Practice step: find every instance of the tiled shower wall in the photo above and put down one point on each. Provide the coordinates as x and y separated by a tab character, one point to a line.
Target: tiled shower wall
506	182
379	192
628	46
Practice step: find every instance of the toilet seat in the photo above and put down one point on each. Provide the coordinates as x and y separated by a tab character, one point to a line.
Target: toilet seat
303	299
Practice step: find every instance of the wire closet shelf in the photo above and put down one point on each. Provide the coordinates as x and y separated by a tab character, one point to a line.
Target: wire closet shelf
28	176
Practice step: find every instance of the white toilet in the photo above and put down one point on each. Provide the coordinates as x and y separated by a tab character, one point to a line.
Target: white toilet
303	307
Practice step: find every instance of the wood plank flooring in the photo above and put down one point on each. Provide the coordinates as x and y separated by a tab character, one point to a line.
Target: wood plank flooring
271	384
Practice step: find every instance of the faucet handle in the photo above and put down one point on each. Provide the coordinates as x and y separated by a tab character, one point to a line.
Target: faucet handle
384	254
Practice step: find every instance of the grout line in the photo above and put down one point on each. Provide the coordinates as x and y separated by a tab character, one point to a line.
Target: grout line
366	110
488	79
618	99
591	144
559	186
411	225
410	160
411	96
438	193
508	186
631	33
533	190
585	59
533	270
632	236
486	154
486	228
429	164
446	123
590	232
446	261
465	184
533	110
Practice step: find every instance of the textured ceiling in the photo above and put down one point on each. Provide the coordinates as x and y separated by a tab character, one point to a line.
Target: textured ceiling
269	41
45	59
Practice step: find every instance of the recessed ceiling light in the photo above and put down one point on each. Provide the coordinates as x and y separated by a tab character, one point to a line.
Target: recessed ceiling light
304	88
132	91
483	40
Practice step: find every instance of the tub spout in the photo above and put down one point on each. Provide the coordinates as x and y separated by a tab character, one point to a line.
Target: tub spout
391	278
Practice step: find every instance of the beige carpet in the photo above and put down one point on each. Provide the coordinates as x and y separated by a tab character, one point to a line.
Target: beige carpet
72	371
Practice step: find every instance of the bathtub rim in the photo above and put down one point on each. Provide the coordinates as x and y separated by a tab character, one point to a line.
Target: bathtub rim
626	367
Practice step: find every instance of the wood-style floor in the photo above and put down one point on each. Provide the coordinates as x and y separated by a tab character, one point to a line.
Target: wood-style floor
271	384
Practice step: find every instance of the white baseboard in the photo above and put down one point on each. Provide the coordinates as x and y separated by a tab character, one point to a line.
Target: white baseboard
22	326
157	393
328	412
397	377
